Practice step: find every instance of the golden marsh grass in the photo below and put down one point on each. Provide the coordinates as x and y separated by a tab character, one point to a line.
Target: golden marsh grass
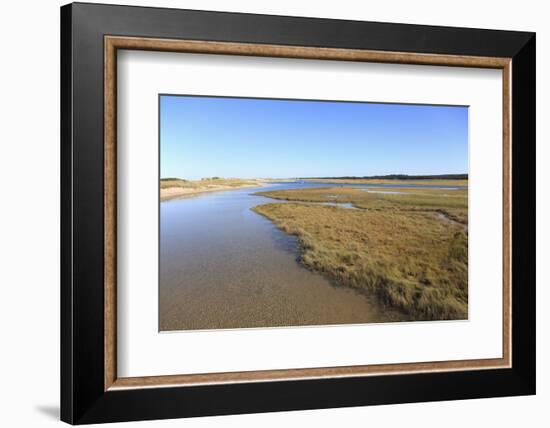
409	248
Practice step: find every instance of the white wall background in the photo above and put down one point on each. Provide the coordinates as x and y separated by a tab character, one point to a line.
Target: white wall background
29	214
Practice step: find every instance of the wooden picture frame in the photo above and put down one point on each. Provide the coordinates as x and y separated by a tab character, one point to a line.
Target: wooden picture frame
91	390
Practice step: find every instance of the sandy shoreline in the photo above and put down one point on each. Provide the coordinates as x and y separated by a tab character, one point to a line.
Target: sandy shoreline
182	192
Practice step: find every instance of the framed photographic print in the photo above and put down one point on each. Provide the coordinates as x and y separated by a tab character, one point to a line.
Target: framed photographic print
265	213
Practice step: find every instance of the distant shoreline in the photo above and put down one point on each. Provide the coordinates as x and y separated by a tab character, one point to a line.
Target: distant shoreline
397	177
181	192
433	182
179	188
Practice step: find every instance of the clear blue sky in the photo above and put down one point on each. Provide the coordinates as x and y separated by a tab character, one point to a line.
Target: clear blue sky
243	137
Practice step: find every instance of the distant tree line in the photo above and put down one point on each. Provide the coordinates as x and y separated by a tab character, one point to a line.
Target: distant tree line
400	177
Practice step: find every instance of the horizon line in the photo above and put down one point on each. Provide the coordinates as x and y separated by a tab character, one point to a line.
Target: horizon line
387	176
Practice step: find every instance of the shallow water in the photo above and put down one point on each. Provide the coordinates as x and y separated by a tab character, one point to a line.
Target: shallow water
224	266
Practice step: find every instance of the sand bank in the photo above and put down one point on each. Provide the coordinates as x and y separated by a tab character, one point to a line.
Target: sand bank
181	192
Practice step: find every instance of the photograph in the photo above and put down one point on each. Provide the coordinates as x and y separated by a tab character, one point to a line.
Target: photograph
291	212
261	212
